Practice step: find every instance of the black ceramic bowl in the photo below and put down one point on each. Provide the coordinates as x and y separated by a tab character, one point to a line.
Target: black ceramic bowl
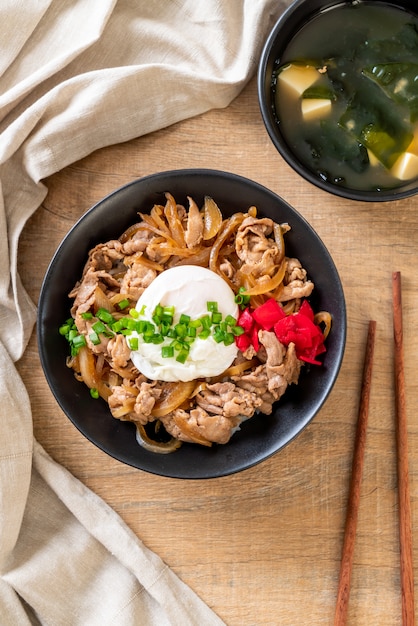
260	436
295	18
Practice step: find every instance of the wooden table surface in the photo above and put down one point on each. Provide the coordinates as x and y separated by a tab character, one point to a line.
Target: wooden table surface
261	547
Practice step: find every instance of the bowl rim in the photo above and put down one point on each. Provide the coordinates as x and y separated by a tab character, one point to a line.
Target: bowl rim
47	302
272	127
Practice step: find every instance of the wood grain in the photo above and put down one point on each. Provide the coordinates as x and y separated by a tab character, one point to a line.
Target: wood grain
263	547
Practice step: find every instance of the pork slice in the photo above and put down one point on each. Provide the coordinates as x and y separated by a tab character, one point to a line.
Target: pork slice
296	283
118	351
258	252
137	278
138	242
198	426
105	256
225	398
84	291
282	365
121	396
145	401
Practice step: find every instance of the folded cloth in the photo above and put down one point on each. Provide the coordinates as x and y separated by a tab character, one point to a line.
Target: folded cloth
74	77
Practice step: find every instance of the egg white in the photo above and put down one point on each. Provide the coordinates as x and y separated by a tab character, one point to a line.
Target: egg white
188	288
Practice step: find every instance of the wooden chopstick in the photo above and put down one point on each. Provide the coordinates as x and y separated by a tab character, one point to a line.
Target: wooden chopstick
346	566
405	526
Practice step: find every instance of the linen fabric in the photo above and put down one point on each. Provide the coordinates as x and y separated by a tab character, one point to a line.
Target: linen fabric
77	75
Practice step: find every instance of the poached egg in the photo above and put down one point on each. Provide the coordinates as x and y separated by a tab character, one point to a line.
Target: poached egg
187	288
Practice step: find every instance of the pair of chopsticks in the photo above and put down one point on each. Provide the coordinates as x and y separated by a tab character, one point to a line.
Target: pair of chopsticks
405	526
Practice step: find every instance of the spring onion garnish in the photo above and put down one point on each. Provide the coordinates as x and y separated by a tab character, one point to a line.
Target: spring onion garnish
241	299
94	393
70	332
175	339
123	304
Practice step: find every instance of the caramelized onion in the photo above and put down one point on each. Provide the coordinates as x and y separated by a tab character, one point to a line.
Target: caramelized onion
268	285
161	447
199	258
130	232
323	317
101	301
237	369
173	219
173	395
126	408
212	219
87	365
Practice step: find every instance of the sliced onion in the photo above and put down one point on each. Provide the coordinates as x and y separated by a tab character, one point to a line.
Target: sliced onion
173	395
199	258
268	285
101	301
130	232
323	317
237	369
87	365
212	219
173	219
157	213
159	447
126	408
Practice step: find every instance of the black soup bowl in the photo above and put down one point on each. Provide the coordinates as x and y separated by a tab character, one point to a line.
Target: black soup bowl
338	94
259	437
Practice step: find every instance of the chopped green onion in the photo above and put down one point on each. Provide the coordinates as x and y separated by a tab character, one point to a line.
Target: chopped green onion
230	320
72	334
181	330
134	313
229	339
105	316
94	338
182	356
241	298
184	319
87	315
117	326
94	393
79	341
167	352
133	343
99	327
219	336
212	307
216	317
64	329
206	322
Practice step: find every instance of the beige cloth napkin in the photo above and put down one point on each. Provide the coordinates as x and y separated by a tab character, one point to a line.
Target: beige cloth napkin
76	75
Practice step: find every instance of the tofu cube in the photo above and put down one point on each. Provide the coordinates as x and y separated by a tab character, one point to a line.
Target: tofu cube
297	78
314	108
406	167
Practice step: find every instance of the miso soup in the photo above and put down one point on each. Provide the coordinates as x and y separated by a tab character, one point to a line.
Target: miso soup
346	96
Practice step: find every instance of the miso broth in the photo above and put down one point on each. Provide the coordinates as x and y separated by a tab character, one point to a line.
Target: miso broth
346	96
